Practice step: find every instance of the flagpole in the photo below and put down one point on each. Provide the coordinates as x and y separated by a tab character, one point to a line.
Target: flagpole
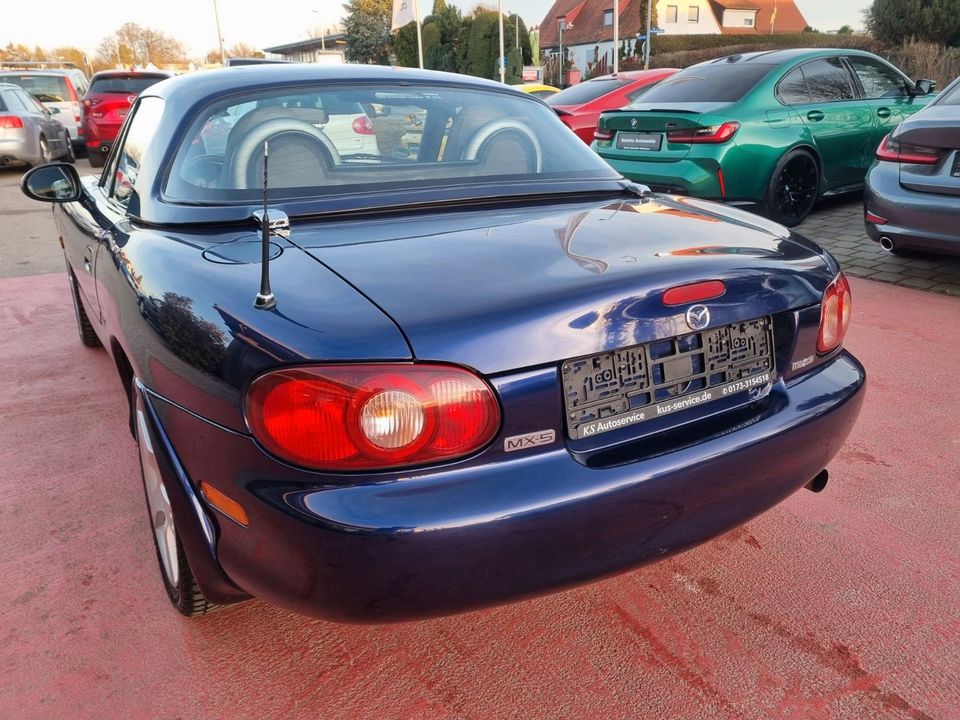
616	35
502	58
416	11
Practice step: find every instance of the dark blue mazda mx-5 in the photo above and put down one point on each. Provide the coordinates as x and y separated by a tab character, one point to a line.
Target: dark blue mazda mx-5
397	343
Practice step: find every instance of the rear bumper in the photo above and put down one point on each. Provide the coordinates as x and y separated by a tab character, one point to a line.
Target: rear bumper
454	539
915	220
18	149
698	177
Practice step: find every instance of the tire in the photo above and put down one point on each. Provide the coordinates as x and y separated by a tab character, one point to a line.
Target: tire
84	328
68	155
793	189
44	151
97	159
175	572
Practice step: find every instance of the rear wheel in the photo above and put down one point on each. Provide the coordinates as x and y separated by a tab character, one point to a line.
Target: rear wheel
45	156
178	579
87	334
793	189
68	154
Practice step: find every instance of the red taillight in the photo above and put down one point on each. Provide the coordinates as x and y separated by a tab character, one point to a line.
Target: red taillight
834	314
371	416
892	150
363	126
712	134
10	122
90	102
601	134
682	294
874	218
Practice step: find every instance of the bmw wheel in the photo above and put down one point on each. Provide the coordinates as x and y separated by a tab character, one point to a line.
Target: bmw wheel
793	189
178	580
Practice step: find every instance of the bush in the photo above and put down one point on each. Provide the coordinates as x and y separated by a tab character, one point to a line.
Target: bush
936	21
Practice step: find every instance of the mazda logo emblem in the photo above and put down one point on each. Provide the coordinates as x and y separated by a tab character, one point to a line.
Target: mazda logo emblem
698	317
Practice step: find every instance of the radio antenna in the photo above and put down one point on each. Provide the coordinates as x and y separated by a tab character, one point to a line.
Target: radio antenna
265	298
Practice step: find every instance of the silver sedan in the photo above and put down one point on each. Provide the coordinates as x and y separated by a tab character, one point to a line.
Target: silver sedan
29	132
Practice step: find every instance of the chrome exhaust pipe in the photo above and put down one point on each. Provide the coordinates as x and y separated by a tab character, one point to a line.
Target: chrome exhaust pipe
819	481
886	243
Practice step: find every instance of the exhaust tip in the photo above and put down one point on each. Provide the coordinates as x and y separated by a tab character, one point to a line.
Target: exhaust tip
886	243
819	481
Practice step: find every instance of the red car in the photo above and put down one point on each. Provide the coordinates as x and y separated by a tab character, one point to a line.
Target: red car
105	106
579	106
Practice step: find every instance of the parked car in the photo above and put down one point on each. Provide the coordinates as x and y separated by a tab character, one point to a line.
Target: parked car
912	196
29	132
57	90
369	387
774	130
538	90
579	106
106	104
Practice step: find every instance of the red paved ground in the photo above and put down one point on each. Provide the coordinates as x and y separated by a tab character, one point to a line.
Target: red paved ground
838	605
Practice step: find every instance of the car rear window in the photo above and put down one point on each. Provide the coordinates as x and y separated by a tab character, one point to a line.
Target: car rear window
723	82
123	85
585	92
951	96
332	140
45	88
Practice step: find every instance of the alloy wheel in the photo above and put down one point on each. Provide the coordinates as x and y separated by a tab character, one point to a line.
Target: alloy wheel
797	187
161	514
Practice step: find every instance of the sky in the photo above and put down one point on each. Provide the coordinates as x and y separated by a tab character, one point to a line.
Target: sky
53	23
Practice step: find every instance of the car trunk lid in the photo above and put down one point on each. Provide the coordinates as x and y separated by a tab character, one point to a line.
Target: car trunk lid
642	131
938	128
541	284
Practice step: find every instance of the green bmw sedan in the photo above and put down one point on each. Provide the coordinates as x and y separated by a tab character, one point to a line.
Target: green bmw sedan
775	130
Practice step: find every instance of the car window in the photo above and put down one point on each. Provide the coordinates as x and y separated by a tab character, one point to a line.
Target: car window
724	82
33	104
951	96
792	89
126	168
827	80
45	88
333	139
634	94
15	103
132	85
878	80
585	92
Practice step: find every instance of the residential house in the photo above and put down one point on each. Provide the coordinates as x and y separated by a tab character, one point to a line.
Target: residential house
588	34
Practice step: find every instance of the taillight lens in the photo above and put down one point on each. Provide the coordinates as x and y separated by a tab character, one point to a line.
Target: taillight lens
834	314
601	134
10	122
371	416
363	126
711	134
892	150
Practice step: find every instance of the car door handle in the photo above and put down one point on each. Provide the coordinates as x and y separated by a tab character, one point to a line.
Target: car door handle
88	259
815	115
883	112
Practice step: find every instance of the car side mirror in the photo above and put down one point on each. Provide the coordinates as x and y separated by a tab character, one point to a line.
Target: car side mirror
925	87
56	182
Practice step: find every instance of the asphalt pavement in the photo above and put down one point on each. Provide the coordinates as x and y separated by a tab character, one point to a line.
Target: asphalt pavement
836	605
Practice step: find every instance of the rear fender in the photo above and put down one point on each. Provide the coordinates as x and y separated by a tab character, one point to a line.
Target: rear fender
196	528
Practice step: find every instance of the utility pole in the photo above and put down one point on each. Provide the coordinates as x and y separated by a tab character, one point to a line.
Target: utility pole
503	68
563	26
216	15
646	55
616	35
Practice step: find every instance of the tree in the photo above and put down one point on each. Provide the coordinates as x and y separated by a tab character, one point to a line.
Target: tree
893	21
845	30
367	27
132	44
642	9
237	50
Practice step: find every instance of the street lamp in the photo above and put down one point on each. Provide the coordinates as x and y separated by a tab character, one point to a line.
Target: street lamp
563	25
216	15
